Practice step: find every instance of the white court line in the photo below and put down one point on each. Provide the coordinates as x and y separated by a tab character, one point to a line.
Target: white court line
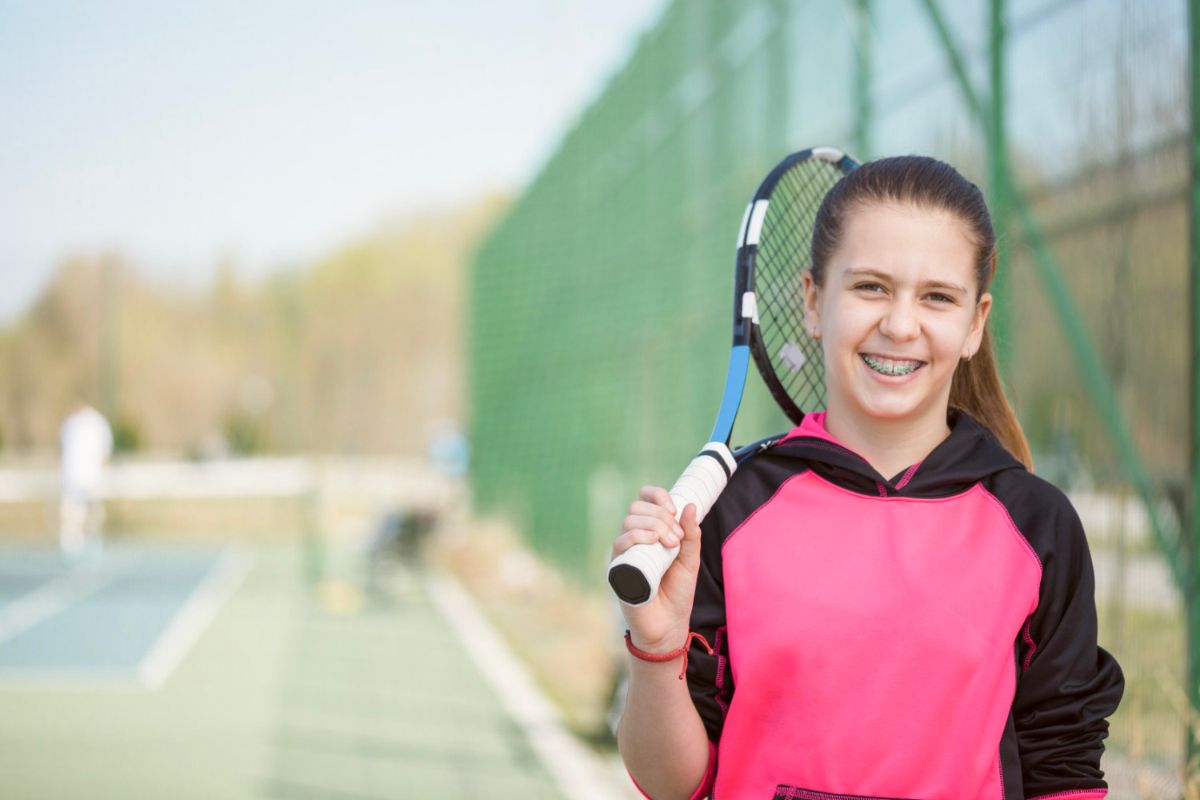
579	774
53	597
196	615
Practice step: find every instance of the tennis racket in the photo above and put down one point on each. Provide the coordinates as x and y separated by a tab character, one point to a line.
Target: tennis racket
768	322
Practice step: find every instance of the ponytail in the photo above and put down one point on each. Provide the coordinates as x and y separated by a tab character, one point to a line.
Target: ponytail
977	390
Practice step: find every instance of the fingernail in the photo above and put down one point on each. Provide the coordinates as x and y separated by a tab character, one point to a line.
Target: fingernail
671	540
679	531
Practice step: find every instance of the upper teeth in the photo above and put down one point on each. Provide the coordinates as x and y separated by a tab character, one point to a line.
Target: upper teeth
889	367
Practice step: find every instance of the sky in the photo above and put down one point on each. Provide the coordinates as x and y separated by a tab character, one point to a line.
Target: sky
267	134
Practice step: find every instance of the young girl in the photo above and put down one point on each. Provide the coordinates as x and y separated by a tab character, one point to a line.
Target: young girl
896	606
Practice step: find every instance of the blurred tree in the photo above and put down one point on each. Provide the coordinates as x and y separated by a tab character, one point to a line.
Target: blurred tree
247	434
358	352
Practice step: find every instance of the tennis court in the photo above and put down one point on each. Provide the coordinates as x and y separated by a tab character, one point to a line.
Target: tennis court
129	617
192	671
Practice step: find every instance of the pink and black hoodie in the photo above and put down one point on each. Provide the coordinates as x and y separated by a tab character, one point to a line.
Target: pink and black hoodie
926	637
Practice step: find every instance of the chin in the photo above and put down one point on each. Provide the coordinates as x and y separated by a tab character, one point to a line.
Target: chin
890	413
892	408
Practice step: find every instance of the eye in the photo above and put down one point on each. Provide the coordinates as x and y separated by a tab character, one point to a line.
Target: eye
938	297
869	286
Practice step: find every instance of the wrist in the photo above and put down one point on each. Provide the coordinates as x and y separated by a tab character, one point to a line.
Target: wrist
658	646
669	655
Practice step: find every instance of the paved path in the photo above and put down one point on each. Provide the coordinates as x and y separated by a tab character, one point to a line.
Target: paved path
386	703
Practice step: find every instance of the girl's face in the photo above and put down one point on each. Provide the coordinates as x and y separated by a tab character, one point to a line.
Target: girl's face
897	312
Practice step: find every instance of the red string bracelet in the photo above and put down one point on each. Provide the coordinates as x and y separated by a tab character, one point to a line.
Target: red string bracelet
659	658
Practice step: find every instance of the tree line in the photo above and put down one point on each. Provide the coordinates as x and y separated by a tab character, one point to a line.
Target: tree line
357	352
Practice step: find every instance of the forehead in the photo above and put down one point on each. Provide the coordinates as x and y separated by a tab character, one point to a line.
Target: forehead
908	241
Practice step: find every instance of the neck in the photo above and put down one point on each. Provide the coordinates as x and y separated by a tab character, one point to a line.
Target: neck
889	445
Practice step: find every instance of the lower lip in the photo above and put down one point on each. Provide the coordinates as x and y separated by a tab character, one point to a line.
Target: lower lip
894	379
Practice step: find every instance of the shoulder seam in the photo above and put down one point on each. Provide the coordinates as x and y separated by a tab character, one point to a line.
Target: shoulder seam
761	506
1024	540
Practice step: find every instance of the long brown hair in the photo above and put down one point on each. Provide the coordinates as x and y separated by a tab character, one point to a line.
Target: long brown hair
929	183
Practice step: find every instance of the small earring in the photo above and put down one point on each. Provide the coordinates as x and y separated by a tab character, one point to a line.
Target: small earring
967	356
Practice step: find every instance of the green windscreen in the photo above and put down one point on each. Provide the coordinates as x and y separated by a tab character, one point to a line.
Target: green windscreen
601	307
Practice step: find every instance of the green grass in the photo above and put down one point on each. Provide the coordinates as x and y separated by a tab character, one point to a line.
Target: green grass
1149	724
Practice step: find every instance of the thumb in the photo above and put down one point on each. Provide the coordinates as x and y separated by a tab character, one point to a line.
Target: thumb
689	548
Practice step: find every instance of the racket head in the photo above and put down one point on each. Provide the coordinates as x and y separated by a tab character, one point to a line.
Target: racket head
775	243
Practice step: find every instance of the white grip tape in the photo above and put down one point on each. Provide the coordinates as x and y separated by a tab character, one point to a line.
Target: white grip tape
700	485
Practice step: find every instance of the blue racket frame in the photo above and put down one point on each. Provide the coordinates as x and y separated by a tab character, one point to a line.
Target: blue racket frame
746	342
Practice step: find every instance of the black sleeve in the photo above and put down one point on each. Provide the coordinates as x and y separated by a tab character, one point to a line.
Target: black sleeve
709	678
1067	685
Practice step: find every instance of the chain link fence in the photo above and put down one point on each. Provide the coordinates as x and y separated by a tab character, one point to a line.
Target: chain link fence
599	306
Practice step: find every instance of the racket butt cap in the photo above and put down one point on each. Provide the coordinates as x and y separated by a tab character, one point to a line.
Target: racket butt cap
629	583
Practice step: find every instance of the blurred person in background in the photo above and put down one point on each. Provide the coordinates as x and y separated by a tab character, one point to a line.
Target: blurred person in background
449	451
85	445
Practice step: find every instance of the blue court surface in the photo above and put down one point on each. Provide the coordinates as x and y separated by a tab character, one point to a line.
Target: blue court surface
128	616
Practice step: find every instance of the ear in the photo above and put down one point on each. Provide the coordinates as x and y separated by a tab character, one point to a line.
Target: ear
975	334
812	297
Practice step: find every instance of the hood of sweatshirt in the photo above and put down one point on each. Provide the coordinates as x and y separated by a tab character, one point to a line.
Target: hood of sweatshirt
968	455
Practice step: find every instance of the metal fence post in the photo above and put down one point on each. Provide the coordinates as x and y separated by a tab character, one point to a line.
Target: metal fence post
1193	596
1001	316
863	45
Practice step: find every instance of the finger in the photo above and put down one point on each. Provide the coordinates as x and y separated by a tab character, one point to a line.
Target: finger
688	519
658	495
689	552
668	531
629	538
645	509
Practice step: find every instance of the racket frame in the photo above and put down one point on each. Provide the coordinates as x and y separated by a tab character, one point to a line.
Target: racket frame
628	572
748	253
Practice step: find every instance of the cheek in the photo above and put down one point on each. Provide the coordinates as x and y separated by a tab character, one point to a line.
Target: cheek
849	323
955	335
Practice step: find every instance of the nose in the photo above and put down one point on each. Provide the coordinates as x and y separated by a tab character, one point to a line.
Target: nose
900	322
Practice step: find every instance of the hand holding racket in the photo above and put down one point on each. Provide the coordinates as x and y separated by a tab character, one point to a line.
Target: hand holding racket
768	322
663	621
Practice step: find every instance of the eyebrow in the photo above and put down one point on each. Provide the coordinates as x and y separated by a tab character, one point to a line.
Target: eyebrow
870	273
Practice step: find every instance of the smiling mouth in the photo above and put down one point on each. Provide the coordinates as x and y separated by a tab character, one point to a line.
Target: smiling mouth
889	366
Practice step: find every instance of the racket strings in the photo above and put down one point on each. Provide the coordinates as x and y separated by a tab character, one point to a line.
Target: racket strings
783	254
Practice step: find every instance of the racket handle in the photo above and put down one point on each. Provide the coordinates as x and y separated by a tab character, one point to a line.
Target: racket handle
635	574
